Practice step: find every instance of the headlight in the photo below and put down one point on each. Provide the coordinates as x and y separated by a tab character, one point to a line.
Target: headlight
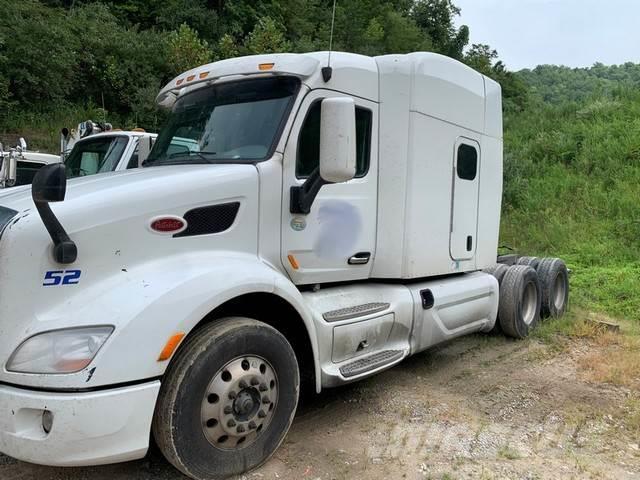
59	351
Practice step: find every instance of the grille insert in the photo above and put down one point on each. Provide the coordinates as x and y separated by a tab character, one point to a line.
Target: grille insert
211	219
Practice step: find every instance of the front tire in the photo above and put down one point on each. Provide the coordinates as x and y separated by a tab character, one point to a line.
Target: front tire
227	399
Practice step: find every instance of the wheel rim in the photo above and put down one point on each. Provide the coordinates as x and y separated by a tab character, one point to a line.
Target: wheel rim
559	292
529	302
239	402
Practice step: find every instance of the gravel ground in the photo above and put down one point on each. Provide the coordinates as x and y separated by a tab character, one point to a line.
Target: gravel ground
481	407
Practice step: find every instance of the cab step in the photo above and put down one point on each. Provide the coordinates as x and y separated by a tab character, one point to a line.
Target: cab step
355	311
370	362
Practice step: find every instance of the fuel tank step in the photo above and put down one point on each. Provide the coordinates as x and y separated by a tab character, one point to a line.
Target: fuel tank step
371	362
355	311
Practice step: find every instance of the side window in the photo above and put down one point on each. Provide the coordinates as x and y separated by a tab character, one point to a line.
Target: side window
467	165
309	142
90	163
133	161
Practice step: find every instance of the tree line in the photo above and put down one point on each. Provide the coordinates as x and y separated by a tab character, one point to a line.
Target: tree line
62	53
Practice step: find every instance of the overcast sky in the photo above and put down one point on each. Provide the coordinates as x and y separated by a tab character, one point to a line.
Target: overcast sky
576	33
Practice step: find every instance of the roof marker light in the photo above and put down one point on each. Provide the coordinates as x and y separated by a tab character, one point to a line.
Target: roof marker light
179	82
190	77
265	66
203	75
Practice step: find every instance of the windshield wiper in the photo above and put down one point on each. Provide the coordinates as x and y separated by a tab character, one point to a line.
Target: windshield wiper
180	158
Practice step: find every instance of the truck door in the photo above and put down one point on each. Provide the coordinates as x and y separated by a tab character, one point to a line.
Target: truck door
464	203
336	240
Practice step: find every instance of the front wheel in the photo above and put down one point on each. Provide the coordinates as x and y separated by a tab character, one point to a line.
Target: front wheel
227	399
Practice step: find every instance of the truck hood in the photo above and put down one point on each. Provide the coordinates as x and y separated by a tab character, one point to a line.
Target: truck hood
165	180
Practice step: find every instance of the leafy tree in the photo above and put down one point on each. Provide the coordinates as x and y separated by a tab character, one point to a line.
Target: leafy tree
5	100
484	59
227	47
64	53
267	37
186	50
558	84
436	19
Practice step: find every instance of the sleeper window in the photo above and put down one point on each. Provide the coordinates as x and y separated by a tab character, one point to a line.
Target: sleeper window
467	165
309	142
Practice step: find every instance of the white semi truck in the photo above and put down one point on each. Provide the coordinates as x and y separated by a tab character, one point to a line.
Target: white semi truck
89	150
20	164
97	148
332	221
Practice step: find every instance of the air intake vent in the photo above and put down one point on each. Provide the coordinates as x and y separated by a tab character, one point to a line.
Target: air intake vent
212	219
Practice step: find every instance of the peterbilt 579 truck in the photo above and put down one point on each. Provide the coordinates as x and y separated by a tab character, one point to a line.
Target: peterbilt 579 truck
334	219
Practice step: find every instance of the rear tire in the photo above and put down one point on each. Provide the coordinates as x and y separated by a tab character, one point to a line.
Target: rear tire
532	262
227	399
554	283
498	270
520	298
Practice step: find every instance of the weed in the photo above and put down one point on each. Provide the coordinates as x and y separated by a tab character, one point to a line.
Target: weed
509	453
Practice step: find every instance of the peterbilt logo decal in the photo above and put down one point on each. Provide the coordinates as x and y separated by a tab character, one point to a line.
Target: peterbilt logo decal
54	278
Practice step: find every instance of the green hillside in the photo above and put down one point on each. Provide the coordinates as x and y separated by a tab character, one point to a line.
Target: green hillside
572	184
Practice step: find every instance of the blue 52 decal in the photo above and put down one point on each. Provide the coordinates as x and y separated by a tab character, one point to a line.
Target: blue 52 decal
53	278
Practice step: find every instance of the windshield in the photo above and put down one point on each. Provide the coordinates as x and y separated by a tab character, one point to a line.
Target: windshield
96	155
235	122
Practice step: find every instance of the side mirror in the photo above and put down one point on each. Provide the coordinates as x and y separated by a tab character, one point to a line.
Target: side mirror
23	144
337	152
338	139
12	170
8	170
50	185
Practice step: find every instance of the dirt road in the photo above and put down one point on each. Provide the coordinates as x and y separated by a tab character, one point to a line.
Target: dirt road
481	407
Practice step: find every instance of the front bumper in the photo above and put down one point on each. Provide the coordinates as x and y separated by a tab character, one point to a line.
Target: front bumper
93	428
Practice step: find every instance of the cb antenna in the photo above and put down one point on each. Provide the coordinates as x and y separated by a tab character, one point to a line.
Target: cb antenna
328	71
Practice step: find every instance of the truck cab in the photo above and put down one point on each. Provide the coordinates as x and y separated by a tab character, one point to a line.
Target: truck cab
97	150
300	223
19	165
106	152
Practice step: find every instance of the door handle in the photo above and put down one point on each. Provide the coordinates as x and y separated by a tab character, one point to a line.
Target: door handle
360	258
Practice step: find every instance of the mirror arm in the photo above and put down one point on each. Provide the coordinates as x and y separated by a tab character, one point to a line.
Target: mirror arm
64	249
302	196
49	185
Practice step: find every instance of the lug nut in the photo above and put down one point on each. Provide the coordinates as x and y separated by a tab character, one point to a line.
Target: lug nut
231	423
266	400
242	384
252	425
228	409
232	395
254	381
240	429
262	414
263	387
